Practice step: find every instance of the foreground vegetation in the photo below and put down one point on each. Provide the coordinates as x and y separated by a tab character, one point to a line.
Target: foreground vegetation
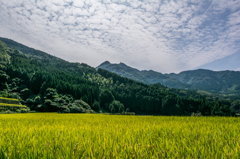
52	135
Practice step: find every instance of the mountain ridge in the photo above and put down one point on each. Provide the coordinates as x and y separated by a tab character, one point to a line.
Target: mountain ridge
222	82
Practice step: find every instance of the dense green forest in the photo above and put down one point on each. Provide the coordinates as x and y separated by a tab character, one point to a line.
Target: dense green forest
49	84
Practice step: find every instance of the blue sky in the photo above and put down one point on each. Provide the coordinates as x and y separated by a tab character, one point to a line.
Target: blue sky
162	35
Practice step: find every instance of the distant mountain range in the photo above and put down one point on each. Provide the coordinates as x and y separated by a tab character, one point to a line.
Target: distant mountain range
222	82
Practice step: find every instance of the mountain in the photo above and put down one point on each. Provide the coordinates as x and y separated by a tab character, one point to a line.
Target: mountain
222	82
52	62
147	77
49	84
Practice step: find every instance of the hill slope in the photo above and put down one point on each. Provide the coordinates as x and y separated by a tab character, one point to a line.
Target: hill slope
147	77
222	82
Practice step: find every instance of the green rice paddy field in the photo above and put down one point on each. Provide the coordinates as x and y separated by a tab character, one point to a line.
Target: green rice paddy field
52	135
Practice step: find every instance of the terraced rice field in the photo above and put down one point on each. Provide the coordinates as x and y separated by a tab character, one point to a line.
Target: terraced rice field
52	135
10	104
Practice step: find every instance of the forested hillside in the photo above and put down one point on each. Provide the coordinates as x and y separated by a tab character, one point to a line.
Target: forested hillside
221	82
46	83
147	77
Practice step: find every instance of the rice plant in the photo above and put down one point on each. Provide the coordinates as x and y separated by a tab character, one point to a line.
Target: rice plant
52	135
12	105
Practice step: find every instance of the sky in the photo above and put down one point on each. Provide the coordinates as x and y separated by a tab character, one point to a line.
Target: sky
161	35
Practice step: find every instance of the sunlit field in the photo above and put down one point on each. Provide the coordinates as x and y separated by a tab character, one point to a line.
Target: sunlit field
52	135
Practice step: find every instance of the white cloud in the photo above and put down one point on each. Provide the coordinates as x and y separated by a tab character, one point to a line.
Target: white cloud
234	18
77	11
78	3
167	36
57	2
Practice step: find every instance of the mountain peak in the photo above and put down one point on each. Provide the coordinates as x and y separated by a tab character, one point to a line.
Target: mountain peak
104	63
